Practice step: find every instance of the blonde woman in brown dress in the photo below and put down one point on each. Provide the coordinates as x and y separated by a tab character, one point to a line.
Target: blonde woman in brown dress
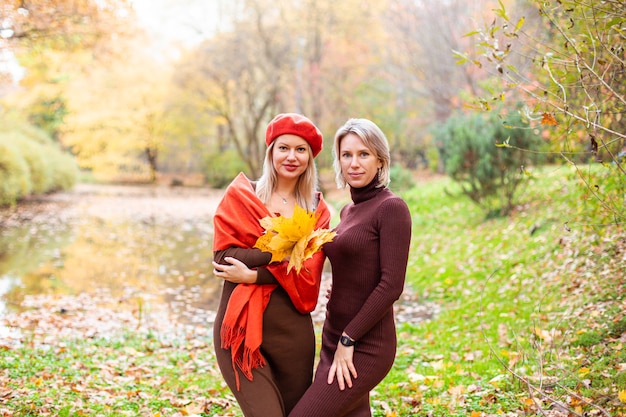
369	258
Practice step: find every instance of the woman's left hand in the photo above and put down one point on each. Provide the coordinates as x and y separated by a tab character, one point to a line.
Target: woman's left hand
342	367
235	271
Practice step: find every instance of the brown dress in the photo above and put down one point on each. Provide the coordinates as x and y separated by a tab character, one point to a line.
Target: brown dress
288	347
369	257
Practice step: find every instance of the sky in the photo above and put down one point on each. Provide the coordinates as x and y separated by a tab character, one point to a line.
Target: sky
183	21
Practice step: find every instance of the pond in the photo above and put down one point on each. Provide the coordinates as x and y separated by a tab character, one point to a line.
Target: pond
105	258
107	254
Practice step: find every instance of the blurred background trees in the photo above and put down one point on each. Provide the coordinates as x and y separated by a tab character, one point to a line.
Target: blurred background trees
131	107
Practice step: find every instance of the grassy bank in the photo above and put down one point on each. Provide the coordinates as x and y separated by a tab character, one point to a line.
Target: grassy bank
530	321
532	318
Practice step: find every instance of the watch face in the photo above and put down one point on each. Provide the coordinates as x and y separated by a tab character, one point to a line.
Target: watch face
346	341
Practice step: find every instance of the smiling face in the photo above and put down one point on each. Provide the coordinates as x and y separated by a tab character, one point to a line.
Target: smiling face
290	156
359	164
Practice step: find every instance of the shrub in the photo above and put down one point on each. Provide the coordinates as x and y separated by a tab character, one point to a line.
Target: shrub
15	179
401	178
487	173
31	162
13	125
221	168
35	155
64	171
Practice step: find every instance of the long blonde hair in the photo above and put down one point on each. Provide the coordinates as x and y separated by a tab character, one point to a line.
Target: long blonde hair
306	187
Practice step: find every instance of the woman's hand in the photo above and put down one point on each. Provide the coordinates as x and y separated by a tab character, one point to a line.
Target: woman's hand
235	271
342	367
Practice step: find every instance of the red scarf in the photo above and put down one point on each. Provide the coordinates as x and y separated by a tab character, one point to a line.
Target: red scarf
236	224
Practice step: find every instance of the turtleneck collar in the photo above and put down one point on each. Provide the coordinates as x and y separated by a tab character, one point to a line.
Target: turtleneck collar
366	193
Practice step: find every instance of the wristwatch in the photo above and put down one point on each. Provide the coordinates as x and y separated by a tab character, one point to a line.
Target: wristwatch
346	341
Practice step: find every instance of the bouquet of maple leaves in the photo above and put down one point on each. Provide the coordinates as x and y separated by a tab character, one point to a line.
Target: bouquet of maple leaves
294	238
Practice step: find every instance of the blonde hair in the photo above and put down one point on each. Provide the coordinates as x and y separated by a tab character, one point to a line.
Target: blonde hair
373	138
306	187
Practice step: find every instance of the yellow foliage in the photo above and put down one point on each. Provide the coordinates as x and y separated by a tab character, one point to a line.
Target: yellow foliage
622	396
293	238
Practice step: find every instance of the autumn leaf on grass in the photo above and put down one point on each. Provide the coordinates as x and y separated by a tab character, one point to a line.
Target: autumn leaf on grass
293	238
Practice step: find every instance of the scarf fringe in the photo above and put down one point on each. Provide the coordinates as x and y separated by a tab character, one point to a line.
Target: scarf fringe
243	358
232	337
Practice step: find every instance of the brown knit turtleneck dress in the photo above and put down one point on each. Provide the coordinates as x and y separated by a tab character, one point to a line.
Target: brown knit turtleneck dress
369	258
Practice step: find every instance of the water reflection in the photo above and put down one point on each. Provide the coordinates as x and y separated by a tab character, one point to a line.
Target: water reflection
142	263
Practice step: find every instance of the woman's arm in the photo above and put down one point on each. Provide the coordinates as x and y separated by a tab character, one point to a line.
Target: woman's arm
395	239
251	258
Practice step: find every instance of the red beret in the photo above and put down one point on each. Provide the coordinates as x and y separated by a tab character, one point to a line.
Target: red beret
295	124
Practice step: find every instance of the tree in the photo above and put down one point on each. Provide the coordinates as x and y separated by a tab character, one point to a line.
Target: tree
48	39
118	122
59	23
427	34
431	87
313	57
574	83
31	27
239	75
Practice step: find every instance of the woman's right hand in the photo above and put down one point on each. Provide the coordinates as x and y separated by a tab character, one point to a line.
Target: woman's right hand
342	367
235	271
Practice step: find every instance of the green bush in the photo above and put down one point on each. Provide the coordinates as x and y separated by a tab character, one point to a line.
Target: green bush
14	125
15	181
64	171
488	157
401	178
35	156
221	168
31	162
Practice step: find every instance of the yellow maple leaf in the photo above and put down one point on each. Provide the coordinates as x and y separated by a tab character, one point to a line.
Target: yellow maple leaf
293	238
622	396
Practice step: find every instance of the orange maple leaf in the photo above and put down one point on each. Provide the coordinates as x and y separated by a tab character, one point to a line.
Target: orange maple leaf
293	238
548	119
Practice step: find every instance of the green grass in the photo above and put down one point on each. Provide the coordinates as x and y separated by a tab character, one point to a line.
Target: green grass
127	376
509	290
530	312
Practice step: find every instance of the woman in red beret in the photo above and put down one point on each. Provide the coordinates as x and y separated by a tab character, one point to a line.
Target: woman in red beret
263	332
